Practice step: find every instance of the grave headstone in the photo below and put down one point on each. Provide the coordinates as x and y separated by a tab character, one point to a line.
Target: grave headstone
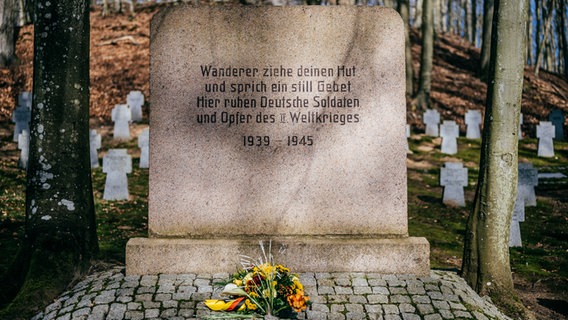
515	233
449	131
432	120
473	121
121	116
25	100
135	101
292	132
545	133
528	180
21	117
143	144
556	117
24	146
453	177
521	126
117	163
518	216
95	144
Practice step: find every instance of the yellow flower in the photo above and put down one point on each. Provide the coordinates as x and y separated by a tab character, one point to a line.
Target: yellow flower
266	269
238	282
250	305
282	268
298	285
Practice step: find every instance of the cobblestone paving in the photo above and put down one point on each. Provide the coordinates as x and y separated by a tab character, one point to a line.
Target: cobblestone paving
110	294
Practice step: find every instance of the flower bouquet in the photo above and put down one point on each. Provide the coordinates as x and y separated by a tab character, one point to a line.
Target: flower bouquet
262	287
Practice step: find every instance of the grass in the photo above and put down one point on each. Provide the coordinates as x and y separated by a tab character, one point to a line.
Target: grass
544	254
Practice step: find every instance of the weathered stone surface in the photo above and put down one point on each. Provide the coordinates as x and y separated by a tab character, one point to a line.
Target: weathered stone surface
271	130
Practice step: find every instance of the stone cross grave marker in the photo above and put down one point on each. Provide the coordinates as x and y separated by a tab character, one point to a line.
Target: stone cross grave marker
473	121
528	179
143	144
545	133
117	163
292	132
24	146
95	144
556	117
432	120
515	231
121	116
25	100
135	101
453	177
21	117
449	131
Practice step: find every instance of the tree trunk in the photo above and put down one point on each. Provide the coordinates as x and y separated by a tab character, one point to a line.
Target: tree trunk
474	21
563	35
444	16
486	265
404	10
437	5
422	97
451	28
530	56
486	41
418	13
542	46
8	32
60	230
468	22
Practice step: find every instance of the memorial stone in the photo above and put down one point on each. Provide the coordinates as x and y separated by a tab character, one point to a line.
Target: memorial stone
24	146
556	117
473	121
116	164
528	179
143	144
545	133
95	144
449	131
121	116
453	177
21	117
292	132
135	101
432	120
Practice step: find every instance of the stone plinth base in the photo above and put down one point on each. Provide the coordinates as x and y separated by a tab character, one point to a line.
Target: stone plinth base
301	254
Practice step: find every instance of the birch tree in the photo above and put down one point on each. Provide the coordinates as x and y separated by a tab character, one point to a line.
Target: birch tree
486	265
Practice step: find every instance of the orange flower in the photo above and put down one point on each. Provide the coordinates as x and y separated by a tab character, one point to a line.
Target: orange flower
297	302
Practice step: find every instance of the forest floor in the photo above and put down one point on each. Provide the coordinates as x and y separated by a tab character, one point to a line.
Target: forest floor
120	63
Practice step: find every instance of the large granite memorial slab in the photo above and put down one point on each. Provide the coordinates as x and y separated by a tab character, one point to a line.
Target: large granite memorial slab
283	128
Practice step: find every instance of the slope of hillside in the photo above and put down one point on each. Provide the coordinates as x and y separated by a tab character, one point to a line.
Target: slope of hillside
120	63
